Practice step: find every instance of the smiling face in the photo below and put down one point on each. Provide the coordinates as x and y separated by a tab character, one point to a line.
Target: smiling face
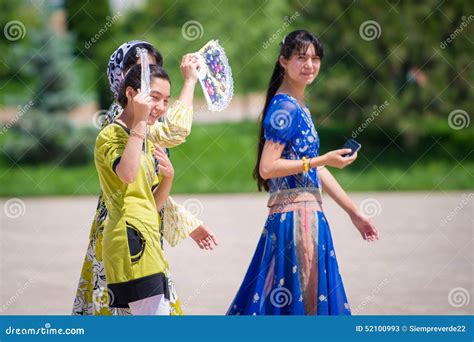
160	89
160	94
302	67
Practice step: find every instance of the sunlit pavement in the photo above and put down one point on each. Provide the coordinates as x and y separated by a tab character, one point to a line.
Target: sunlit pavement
421	265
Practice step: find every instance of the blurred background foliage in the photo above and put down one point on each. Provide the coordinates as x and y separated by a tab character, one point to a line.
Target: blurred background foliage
408	146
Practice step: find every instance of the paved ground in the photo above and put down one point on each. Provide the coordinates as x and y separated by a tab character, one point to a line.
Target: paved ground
422	265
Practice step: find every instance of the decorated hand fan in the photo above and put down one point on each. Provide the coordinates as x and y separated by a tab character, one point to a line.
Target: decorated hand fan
145	76
215	76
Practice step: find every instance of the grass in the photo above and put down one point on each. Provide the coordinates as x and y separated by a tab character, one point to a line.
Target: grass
431	176
46	180
216	158
219	158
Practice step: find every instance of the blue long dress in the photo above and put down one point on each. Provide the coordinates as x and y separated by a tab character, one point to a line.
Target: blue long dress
294	270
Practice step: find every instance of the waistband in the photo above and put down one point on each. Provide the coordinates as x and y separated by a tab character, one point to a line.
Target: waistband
293	199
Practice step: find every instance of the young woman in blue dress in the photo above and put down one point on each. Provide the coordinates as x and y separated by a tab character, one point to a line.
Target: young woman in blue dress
294	270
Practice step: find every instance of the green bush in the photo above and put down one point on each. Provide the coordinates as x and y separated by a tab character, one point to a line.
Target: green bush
45	138
218	158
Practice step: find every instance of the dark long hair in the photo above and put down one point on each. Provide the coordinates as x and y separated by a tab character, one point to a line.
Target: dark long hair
133	79
131	57
295	42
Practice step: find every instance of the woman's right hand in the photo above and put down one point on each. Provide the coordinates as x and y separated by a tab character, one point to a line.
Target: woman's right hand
141	105
335	158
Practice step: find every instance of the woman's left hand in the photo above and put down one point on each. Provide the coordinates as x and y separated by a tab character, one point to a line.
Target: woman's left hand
204	238
190	68
365	227
166	168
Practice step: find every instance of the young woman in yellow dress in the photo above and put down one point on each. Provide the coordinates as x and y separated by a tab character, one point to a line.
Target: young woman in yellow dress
91	295
135	265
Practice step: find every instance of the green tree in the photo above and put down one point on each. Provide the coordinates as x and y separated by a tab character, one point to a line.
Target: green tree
43	131
94	25
399	61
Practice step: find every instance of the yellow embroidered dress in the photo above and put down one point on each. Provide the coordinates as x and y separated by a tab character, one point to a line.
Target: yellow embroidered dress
92	297
133	257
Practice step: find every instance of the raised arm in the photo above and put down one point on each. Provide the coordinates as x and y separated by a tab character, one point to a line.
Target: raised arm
189	70
129	163
176	126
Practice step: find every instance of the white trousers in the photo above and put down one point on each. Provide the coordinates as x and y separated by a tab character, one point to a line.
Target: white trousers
151	306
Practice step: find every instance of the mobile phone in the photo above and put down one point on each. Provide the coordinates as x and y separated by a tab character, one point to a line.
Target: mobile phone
353	145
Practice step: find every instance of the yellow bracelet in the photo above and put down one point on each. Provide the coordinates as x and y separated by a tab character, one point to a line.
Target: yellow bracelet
135	133
305	165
